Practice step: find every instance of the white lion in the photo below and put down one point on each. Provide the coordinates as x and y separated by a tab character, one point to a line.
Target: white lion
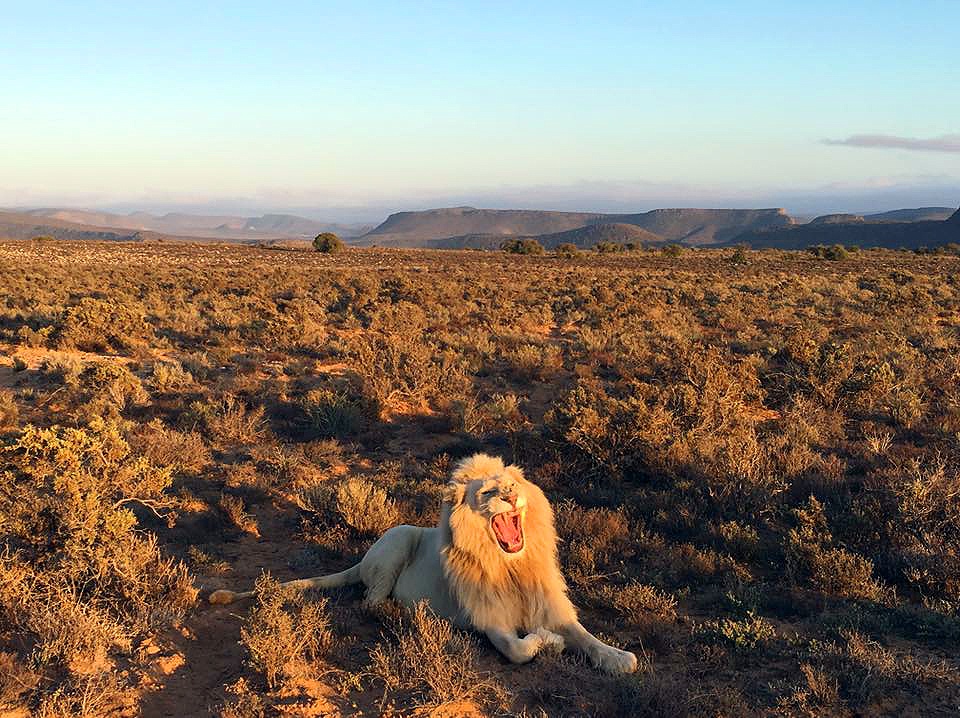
490	565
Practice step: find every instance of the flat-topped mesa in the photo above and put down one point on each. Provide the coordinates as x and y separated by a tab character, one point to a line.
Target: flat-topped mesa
837	219
687	225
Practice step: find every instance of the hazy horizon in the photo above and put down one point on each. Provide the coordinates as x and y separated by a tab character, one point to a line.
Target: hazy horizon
586	197
347	112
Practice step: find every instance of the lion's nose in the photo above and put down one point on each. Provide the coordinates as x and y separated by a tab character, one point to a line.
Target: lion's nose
510	499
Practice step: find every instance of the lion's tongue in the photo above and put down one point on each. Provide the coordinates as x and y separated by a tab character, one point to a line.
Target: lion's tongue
508	529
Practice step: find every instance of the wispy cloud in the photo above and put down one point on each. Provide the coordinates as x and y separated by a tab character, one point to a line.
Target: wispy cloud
944	143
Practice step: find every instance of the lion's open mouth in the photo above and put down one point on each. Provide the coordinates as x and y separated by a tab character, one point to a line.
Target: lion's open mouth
507	529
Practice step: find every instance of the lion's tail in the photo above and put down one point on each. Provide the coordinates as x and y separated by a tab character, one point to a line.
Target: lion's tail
334	580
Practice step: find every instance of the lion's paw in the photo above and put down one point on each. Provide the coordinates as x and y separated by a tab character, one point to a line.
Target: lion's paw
613	660
550	642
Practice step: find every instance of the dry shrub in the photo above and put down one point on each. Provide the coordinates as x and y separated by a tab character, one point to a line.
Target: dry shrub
206	563
698	418
500	414
169	377
246	704
530	362
83	696
915	507
741	540
35	337
359	504
103	325
836	571
433	662
590	537
62	369
184	452
286	465
234	509
232	422
285	632
76	576
398	369
8	410
905	407
818	694
294	329
865	667
637	601
16	678
245	475
95	389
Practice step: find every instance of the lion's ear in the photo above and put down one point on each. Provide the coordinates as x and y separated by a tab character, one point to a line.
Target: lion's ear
514	472
453	493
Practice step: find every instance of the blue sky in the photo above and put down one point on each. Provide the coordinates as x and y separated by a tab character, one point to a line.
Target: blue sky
330	104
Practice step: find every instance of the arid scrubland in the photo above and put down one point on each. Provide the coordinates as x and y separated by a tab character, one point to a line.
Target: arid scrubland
754	459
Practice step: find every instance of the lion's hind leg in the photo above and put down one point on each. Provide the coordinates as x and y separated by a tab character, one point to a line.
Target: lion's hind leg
383	563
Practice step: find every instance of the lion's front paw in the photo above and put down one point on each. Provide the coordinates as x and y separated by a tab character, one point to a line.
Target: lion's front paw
613	660
550	642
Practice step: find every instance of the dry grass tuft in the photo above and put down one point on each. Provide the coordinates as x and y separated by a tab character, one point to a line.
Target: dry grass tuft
433	662
286	633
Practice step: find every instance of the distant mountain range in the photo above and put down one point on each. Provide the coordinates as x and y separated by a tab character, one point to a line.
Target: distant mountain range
21	225
225	227
467	227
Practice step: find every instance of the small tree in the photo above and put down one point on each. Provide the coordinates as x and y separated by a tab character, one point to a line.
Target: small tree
740	256
522	246
835	253
608	247
672	250
567	250
328	243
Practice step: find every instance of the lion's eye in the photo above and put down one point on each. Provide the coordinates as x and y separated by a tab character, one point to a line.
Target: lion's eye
488	492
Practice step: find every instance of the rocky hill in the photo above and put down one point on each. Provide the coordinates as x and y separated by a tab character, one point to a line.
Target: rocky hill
891	235
18	225
582	237
918	214
594	234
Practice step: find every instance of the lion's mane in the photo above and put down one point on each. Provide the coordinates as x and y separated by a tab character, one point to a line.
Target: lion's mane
525	591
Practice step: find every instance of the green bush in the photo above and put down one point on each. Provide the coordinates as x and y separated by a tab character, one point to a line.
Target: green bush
744	634
835	253
332	414
328	243
522	246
